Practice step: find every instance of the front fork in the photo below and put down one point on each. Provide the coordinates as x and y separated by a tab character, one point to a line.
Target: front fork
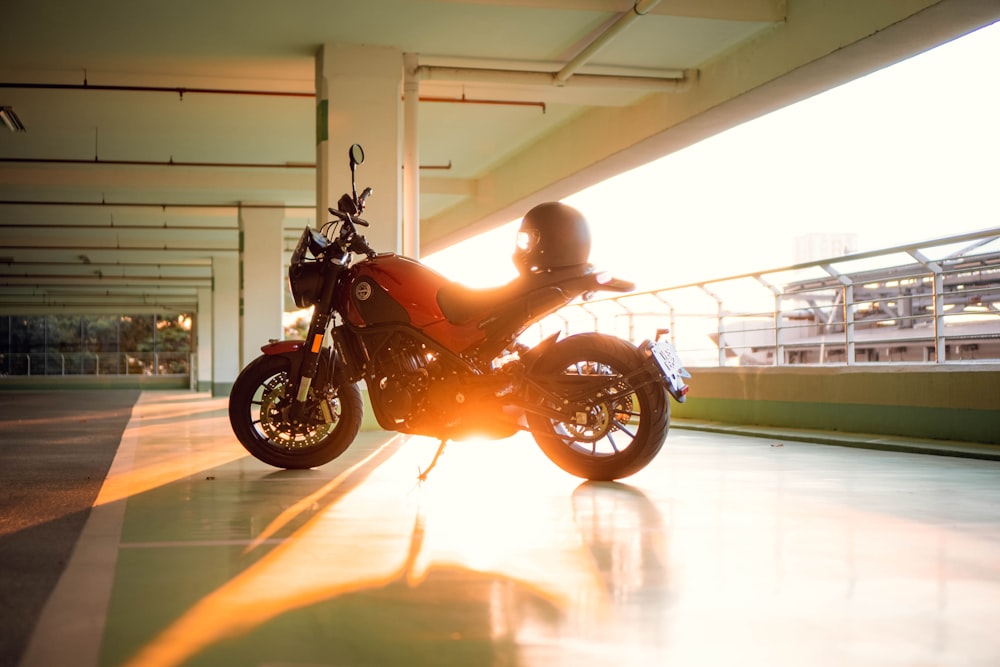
309	366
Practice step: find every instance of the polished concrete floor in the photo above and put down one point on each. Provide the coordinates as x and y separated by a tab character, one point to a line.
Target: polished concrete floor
725	551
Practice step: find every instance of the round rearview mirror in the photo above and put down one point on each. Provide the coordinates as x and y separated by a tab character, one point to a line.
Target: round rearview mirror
357	154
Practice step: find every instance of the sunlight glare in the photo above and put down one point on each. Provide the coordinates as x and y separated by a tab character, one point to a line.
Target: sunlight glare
880	157
155	428
389	530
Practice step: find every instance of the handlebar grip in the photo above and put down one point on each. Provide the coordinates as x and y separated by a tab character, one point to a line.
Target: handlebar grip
347	217
359	244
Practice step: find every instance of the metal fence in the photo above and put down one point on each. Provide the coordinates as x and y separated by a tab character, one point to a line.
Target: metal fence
933	302
95	363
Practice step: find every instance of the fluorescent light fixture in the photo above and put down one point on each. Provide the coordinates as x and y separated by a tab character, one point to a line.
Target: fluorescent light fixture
10	119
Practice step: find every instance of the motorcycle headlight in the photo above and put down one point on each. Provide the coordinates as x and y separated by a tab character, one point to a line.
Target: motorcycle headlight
305	280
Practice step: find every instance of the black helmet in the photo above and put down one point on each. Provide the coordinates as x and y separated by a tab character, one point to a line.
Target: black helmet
551	235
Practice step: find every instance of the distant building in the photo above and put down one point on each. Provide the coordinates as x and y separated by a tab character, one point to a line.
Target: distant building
885	314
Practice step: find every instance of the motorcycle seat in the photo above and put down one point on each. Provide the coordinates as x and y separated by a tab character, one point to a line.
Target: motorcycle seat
460	304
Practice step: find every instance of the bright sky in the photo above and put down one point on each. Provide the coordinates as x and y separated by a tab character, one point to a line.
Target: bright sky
906	154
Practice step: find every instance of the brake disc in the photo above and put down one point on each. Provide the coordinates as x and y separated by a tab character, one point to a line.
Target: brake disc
279	429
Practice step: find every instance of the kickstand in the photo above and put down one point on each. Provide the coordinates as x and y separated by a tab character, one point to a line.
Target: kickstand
440	450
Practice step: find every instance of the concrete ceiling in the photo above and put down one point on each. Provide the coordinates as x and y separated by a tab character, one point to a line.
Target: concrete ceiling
148	123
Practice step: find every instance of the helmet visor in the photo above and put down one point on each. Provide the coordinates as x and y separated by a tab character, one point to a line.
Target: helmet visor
527	239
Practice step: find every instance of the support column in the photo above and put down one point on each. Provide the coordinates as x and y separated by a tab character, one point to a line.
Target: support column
358	97
203	343
262	276
411	157
225	323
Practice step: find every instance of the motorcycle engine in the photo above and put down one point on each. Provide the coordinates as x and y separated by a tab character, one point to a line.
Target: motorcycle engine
414	389
402	379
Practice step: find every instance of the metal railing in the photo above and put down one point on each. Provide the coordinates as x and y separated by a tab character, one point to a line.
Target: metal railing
932	302
94	363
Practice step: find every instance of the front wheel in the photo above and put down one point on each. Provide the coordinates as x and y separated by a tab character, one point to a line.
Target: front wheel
618	428
260	414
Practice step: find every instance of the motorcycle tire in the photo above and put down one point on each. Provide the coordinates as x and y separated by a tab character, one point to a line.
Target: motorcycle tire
256	413
625	430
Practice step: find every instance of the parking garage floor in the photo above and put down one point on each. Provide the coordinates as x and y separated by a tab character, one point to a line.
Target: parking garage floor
726	550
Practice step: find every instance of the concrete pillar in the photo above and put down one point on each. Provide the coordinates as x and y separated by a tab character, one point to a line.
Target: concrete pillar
262	278
225	323
411	157
203	342
359	100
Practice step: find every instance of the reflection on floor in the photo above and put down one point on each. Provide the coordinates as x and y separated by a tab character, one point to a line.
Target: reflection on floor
725	551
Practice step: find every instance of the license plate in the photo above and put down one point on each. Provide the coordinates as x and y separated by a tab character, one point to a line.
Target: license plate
669	363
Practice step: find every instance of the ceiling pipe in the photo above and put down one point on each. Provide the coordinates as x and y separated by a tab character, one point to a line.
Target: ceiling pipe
162	163
28	202
181	91
639	9
213	165
117	227
95	278
465	100
524	78
549	66
177	90
194	264
120	248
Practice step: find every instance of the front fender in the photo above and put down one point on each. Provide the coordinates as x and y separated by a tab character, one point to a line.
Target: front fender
292	350
278	347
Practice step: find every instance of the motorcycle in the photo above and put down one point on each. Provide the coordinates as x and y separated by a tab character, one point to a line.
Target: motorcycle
443	360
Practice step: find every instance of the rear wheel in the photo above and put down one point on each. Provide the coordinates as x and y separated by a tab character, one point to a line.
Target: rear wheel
259	412
613	432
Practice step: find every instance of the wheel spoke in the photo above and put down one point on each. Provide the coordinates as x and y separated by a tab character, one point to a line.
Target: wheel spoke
624	430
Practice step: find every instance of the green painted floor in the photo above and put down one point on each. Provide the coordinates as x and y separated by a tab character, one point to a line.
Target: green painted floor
725	551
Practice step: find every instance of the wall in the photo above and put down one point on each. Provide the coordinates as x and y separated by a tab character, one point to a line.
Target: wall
945	403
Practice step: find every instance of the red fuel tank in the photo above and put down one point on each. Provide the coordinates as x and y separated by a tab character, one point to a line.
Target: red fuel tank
391	289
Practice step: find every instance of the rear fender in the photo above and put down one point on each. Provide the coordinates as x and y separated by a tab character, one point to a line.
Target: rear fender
531	357
599	281
605	282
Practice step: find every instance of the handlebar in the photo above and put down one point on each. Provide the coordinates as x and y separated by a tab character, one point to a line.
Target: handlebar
365	194
347	217
349	239
359	244
349	207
